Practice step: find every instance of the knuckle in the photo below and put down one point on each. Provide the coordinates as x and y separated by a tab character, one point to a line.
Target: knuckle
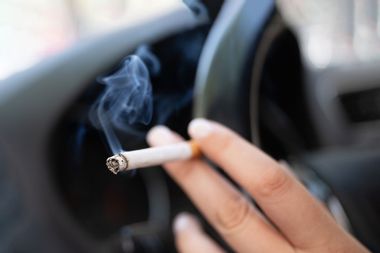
233	214
182	171
273	182
225	143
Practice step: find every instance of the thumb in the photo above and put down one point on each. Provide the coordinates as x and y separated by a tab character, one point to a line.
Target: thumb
190	238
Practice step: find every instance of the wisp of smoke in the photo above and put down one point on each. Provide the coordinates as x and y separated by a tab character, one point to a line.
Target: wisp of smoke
128	96
126	100
166	104
127	105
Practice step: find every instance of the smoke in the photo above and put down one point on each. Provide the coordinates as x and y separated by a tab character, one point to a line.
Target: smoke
128	105
127	99
165	104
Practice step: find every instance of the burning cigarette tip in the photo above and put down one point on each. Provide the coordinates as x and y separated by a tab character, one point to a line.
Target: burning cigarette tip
116	163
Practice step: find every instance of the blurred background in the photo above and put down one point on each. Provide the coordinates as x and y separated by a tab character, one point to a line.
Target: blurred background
300	79
33	30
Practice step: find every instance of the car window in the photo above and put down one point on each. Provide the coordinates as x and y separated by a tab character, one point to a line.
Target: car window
31	30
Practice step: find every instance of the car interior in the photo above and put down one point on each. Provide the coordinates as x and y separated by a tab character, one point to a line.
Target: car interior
298	79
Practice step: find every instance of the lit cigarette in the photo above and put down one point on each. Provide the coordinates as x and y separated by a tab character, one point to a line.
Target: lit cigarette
152	156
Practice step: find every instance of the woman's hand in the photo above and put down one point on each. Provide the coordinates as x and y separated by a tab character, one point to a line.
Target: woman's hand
297	222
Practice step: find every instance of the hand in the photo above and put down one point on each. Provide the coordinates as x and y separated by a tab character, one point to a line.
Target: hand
296	222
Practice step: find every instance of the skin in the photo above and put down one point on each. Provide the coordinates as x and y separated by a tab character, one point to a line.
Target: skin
294	221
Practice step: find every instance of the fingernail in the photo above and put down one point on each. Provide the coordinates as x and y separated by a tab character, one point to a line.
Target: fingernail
184	222
200	128
159	135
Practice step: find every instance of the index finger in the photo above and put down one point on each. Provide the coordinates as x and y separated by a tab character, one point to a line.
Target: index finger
284	200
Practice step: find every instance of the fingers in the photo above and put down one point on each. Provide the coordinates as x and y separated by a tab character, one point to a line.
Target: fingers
190	238
223	206
284	200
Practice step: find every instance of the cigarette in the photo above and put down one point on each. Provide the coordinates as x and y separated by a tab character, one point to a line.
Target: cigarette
154	156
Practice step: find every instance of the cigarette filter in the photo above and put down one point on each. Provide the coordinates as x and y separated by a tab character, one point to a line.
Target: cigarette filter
152	156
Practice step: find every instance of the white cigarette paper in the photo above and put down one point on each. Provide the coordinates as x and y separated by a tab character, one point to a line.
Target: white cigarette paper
152	156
